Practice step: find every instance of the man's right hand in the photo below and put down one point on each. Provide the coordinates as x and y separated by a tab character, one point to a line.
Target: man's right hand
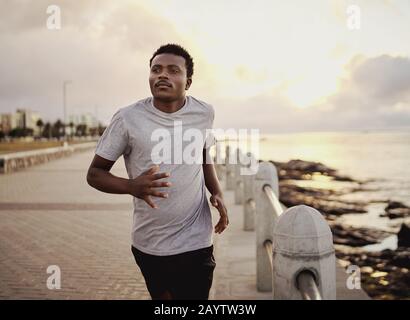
143	186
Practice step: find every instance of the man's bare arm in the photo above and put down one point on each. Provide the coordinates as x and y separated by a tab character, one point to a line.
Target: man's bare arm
214	187
143	186
211	179
100	177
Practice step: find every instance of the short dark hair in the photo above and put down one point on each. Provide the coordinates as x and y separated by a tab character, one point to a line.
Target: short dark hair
177	50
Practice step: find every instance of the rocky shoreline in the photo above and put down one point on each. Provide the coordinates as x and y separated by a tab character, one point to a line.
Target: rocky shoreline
385	274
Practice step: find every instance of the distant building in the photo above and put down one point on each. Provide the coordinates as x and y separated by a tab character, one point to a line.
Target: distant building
22	118
28	119
9	121
88	119
25	118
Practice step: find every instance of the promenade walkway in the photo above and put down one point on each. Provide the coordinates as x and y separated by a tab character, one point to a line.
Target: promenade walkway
50	216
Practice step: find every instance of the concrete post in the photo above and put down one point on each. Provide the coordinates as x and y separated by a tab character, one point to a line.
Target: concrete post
303	241
265	219
238	178
219	171
249	201
218	162
230	169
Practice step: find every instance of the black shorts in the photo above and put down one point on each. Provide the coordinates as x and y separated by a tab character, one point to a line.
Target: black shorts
185	276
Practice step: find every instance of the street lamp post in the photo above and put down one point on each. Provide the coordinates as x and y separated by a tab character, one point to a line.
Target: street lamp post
65	83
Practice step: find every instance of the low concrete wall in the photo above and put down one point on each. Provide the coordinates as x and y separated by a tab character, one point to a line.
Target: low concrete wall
12	162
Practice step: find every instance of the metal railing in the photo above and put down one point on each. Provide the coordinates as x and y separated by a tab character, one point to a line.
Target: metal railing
307	286
268	245
274	201
294	245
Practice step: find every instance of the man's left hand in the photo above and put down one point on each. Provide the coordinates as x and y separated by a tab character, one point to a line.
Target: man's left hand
218	202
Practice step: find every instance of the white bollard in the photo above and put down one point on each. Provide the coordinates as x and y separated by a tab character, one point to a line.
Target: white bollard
238	178
230	169
249	204
219	171
265	220
303	241
218	161
249	201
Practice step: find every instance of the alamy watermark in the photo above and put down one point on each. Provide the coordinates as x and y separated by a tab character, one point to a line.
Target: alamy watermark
54	280
54	19
353	21
353	280
178	146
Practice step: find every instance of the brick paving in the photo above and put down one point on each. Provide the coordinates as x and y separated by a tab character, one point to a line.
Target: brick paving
50	216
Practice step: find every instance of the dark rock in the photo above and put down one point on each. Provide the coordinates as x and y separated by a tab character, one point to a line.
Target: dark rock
401	259
403	236
291	195
304	170
356	237
394	284
343	178
308	166
287	188
394	205
397	213
395	210
385	254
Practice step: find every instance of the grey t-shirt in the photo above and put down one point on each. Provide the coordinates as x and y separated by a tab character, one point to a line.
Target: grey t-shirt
145	136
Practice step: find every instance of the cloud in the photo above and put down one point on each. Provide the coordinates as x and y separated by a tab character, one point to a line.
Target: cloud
376	91
269	112
373	94
385	79
103	47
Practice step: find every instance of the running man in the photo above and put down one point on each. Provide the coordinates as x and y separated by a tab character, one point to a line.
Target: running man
172	223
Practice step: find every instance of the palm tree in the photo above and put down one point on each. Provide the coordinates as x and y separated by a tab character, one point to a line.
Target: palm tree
47	130
71	125
40	125
58	125
81	130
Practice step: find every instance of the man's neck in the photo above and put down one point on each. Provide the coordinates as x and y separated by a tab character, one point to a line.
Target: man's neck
169	106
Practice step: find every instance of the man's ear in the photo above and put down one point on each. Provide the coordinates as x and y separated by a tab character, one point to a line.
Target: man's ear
188	83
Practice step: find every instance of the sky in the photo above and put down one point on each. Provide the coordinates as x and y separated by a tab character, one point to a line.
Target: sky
277	66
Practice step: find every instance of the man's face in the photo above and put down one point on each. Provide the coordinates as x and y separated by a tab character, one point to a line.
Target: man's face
168	77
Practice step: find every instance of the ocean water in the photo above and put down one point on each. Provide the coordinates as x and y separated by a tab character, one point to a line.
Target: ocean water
381	157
